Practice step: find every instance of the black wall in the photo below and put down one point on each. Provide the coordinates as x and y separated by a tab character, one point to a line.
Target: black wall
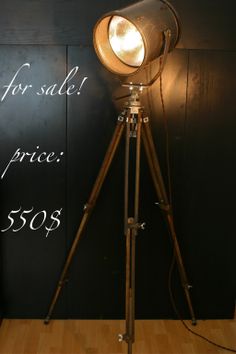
198	83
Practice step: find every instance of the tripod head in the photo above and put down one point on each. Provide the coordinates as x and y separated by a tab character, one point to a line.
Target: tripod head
134	103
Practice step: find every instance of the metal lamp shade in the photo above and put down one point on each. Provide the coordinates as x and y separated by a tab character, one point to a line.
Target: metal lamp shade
150	18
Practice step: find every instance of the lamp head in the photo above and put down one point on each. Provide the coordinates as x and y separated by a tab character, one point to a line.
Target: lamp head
128	39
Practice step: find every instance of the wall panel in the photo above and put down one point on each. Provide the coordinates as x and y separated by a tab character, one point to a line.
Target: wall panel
209	175
29	259
50	22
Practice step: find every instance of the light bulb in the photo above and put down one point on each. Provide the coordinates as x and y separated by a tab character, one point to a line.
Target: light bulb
126	41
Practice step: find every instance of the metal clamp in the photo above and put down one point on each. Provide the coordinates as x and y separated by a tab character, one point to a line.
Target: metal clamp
124	337
142	226
163	206
63	281
121	118
120	337
132	120
137	225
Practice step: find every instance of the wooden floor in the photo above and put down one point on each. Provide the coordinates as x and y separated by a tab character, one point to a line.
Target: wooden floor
100	337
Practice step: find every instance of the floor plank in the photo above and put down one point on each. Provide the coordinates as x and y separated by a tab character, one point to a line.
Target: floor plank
100	337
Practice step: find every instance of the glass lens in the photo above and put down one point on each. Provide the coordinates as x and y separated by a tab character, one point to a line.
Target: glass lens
126	41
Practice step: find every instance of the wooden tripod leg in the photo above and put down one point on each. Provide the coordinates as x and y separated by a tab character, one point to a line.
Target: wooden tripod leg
131	226
166	208
132	281
129	336
127	285
88	210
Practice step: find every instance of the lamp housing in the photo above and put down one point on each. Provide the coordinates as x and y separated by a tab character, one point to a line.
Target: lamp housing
128	39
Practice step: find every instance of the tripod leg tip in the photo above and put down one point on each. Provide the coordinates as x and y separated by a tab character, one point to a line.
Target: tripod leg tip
46	321
194	321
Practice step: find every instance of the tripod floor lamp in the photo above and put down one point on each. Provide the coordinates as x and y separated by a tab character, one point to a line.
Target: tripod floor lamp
126	41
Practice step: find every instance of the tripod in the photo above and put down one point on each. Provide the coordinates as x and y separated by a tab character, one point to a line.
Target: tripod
137	126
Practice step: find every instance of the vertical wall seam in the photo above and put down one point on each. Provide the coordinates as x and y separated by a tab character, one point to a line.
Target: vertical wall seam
186	114
66	180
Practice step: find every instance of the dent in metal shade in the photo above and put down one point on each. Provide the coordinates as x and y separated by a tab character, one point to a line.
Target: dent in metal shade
145	23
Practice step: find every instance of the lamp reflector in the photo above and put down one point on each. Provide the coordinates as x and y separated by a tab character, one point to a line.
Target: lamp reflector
126	41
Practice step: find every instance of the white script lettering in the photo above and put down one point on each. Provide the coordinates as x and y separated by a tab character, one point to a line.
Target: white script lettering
31	157
64	88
